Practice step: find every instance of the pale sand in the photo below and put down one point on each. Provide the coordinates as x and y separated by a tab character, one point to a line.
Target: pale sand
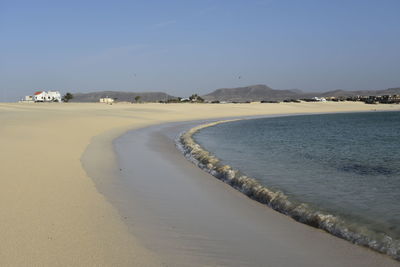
51	212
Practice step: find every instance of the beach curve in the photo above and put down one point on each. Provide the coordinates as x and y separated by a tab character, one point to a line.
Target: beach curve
276	199
53	214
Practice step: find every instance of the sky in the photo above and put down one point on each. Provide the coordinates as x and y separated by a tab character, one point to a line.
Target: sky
185	47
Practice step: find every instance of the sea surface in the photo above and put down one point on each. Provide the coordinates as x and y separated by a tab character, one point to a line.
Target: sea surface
344	169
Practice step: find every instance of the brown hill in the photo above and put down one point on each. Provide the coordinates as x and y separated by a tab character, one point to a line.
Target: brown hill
121	96
263	92
251	93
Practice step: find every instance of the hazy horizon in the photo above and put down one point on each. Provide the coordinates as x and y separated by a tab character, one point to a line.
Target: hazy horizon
185	47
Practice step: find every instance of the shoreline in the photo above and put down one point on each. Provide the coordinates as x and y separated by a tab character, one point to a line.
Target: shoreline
275	200
172	233
53	213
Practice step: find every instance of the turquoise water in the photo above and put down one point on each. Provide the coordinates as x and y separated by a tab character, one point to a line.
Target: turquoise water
344	166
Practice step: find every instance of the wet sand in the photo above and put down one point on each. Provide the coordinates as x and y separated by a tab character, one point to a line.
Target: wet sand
190	218
53	214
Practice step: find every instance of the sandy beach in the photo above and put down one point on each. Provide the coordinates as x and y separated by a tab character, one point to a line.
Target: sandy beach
60	178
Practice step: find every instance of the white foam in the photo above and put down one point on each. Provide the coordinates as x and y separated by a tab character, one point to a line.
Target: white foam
279	201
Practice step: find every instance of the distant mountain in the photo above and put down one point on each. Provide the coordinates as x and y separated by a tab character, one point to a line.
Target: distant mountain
250	93
257	92
337	93
121	96
262	92
298	91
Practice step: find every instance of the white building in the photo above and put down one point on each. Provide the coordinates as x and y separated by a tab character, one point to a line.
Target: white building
50	96
26	99
54	96
320	99
106	100
39	96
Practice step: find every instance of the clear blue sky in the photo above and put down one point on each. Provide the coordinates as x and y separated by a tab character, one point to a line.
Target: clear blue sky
185	47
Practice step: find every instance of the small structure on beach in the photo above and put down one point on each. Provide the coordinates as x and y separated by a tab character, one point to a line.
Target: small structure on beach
49	96
106	100
27	99
39	96
43	96
319	99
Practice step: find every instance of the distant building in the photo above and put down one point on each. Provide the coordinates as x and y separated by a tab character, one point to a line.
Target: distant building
43	96
50	96
28	98
54	96
39	96
319	99
106	100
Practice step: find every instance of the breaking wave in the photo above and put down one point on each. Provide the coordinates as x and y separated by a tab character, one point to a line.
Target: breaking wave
277	200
